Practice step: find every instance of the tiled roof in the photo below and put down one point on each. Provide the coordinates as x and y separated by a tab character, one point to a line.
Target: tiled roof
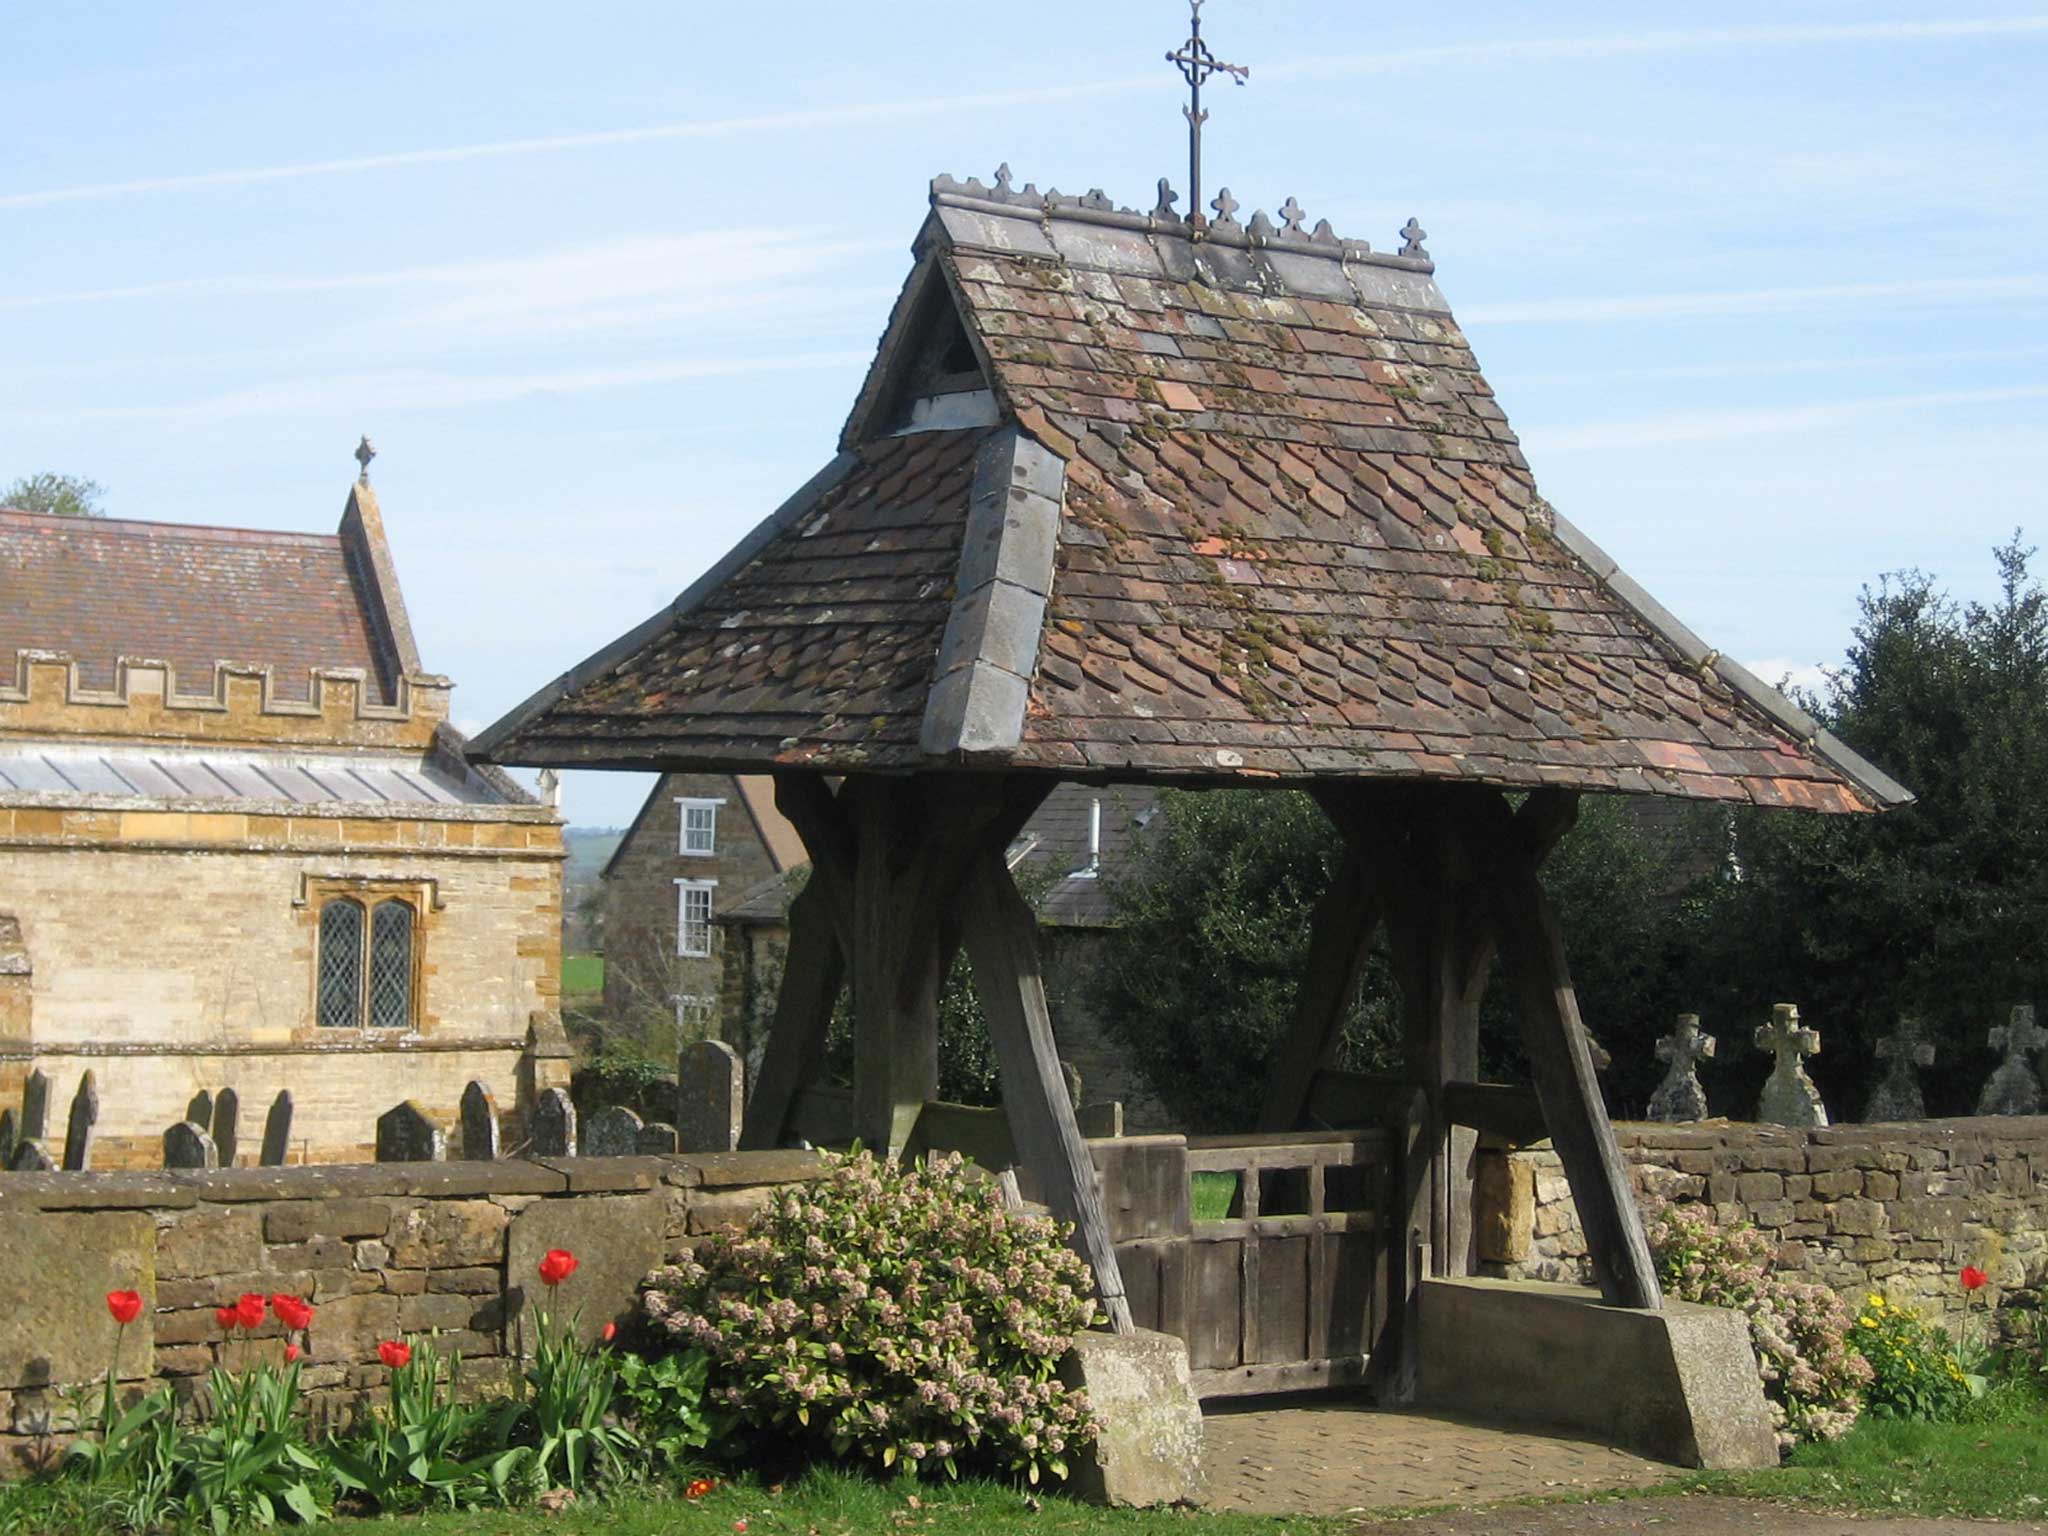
101	588
1247	508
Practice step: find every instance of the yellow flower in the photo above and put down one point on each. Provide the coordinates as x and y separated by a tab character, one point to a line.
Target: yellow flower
1868	1322
1877	1301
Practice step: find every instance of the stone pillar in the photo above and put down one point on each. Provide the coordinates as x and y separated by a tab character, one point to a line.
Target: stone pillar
547	1065
16	1035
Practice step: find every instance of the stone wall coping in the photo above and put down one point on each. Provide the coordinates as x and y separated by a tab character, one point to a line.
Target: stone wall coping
176	1189
296	810
1708	1135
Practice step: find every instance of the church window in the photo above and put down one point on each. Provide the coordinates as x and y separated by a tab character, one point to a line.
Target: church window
391	966
693	918
365	973
341	964
699	827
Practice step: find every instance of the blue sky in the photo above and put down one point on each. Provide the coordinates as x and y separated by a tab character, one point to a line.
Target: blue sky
1763	287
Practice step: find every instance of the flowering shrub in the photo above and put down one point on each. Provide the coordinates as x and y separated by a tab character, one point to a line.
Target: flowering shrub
1914	1371
898	1315
1812	1377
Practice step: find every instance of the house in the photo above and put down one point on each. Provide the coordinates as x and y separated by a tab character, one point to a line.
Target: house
241	847
699	842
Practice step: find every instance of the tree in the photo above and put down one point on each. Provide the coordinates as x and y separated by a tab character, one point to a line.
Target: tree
64	495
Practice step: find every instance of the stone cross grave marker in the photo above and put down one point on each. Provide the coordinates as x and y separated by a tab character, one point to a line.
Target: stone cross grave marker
1680	1096
1908	1049
405	1134
35	1106
187	1146
10	1133
200	1110
613	1131
657	1139
1789	1097
479	1124
29	1157
711	1087
277	1130
2015	1088
554	1125
79	1129
227	1118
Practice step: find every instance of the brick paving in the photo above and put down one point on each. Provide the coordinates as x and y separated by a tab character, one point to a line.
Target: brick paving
1334	1458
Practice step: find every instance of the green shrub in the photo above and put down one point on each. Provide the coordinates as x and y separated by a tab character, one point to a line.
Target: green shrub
891	1314
1811	1375
1913	1365
664	1400
417	1448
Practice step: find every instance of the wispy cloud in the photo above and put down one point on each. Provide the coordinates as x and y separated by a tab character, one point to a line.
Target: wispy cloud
1710	426
869	114
1930	292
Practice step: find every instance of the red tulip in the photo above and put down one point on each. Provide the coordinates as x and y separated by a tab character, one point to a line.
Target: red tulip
227	1317
292	1311
125	1306
292	1353
699	1486
249	1310
556	1265
611	1331
1973	1278
395	1354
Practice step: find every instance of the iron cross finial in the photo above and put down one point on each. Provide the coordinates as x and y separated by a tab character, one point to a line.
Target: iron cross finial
364	453
1197	64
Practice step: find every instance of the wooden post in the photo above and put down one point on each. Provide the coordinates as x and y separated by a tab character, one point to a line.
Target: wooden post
813	971
1340	932
1001	935
1562	1065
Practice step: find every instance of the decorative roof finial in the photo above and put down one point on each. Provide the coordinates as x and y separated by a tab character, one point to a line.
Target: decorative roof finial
1414	234
364	453
1197	64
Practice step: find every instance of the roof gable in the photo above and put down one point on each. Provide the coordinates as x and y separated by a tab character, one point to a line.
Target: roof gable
1252	511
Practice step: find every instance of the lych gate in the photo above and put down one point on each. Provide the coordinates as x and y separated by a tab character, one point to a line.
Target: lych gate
1129	499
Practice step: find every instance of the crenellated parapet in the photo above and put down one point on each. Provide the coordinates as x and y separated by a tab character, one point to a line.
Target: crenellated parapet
238	704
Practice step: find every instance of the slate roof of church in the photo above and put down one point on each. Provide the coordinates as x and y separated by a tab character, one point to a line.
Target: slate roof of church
102	588
1229	501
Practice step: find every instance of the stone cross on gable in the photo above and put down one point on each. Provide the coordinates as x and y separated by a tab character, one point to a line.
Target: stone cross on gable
1680	1096
1789	1097
1908	1049
2015	1089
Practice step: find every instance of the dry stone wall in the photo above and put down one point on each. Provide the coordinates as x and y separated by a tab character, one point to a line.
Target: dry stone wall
1897	1208
380	1250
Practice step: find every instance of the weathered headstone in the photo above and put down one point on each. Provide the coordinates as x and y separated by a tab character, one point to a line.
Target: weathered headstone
1680	1096
200	1110
554	1125
78	1130
277	1130
1071	1075
657	1139
35	1106
2015	1088
187	1146
405	1134
227	1119
10	1133
613	1131
1789	1097
1105	1117
479	1124
1898	1096
710	1097
29	1157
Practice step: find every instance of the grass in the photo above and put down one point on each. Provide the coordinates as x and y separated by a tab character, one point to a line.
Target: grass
1210	1194
583	973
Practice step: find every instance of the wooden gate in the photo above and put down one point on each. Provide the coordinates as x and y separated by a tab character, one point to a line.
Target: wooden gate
1286	1289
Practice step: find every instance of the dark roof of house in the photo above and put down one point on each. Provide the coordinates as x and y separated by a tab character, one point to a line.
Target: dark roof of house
102	588
1217	503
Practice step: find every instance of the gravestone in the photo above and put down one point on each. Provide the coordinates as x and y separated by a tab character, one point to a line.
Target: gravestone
405	1134
10	1133
1071	1076
78	1130
29	1157
200	1110
187	1146
277	1130
613	1131
1789	1097
1680	1096
35	1106
1908	1049
479	1124
2015	1088
657	1139
554	1125
227	1116
711	1090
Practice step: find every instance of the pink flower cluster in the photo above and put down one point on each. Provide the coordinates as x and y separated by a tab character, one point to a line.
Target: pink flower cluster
897	1314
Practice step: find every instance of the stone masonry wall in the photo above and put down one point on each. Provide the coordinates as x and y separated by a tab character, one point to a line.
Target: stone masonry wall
1898	1209
380	1250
